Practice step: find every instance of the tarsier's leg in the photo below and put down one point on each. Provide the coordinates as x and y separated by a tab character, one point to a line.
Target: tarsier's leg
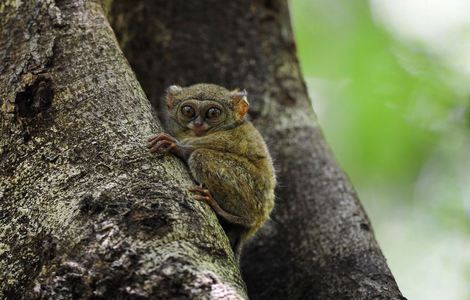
204	195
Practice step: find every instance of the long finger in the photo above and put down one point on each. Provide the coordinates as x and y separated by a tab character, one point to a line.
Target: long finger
202	198
157	136
156	146
197	189
162	146
152	137
151	144
161	136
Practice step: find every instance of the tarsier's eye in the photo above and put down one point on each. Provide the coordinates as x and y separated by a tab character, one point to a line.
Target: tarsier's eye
213	113
187	111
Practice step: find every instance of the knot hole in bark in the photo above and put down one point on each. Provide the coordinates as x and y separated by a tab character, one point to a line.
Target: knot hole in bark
36	97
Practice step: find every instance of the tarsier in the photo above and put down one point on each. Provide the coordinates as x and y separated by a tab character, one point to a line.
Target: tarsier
225	154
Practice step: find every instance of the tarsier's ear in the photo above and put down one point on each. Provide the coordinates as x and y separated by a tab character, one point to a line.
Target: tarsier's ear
240	102
170	94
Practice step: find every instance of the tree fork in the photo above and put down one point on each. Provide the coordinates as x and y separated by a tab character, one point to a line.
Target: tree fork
319	244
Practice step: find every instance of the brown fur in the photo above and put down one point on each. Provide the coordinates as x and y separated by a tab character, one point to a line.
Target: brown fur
229	158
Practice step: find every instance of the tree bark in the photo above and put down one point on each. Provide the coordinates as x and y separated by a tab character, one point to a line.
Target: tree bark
85	210
319	243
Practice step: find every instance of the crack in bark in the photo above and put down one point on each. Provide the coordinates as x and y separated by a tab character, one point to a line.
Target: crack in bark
36	97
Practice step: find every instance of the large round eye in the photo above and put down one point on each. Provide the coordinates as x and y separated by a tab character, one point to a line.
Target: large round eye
187	111
213	112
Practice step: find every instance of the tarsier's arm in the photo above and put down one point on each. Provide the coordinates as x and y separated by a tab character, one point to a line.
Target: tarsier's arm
166	143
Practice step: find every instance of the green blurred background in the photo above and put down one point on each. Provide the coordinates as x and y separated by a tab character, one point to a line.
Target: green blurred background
389	81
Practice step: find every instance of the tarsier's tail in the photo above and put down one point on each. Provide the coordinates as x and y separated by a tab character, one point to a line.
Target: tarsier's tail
235	237
237	248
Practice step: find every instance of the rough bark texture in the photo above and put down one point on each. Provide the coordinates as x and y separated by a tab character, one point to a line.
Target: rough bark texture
85	210
319	244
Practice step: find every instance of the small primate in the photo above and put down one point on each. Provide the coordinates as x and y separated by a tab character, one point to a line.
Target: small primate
225	154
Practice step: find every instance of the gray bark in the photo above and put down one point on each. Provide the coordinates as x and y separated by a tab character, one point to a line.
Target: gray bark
85	210
319	243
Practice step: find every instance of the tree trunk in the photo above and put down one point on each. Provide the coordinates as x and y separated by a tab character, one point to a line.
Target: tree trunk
86	211
319	243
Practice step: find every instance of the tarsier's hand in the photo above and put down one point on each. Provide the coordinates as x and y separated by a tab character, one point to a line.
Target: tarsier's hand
162	143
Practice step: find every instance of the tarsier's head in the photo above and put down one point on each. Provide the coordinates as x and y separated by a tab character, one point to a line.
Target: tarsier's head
204	108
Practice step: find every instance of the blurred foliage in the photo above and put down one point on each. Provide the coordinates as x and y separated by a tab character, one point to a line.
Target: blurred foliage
397	118
390	105
385	110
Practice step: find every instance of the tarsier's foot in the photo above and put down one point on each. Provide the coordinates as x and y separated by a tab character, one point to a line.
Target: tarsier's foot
162	143
203	194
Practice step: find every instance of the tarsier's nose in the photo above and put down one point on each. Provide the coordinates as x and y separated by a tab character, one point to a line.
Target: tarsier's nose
198	122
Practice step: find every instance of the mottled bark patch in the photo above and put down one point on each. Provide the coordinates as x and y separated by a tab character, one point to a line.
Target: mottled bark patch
45	249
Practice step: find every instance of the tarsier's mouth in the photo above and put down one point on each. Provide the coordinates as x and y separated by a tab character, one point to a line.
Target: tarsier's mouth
198	130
